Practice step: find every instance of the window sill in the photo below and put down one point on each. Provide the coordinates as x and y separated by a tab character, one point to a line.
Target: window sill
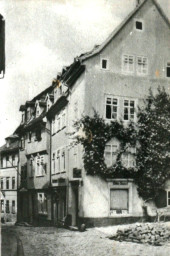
37	176
58	173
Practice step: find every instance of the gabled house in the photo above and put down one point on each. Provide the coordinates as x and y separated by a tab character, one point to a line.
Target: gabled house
9	163
34	131
114	78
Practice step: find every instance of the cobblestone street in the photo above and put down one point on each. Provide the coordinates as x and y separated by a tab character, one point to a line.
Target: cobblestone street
50	241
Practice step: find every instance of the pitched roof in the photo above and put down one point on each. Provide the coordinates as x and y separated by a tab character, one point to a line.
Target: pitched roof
12	147
98	48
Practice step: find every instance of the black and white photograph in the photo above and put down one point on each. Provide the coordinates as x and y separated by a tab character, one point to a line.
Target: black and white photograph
85	127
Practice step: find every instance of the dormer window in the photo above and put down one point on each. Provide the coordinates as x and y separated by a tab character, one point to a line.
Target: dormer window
139	25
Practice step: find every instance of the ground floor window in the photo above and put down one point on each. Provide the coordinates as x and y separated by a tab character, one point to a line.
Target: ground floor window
13	206
42	203
119	200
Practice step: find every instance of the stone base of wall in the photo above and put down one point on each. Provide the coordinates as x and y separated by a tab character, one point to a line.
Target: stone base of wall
99	222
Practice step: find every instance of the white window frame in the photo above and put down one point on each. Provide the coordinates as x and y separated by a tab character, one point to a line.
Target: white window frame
42	200
107	63
113	145
126	68
129	110
112	97
39	166
140	67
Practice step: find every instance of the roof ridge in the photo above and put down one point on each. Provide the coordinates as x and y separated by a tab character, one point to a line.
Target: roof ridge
119	27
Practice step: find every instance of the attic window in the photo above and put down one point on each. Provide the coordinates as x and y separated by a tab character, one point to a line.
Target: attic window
104	64
139	25
168	69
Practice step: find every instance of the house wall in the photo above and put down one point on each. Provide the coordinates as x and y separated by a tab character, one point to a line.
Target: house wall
9	194
153	43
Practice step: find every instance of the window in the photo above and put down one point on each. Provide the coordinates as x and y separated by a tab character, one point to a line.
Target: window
128	158
2	206
13	182
104	64
128	63
2	183
7	182
58	161
110	154
7	161
62	160
168	69
53	163
129	110
111	108
42	203
7	206
40	166
13	206
168	198
13	160
142	65
139	25
119	200
31	167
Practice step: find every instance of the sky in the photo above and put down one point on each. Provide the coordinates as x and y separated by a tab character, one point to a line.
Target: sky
42	36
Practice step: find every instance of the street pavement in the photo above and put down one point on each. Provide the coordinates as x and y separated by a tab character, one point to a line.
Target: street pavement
50	241
11	244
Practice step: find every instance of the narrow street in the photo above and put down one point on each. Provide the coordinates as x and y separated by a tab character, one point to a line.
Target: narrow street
50	241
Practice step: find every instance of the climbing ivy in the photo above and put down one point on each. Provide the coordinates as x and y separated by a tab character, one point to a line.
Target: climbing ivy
97	134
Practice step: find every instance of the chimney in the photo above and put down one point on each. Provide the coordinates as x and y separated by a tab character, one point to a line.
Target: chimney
138	2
